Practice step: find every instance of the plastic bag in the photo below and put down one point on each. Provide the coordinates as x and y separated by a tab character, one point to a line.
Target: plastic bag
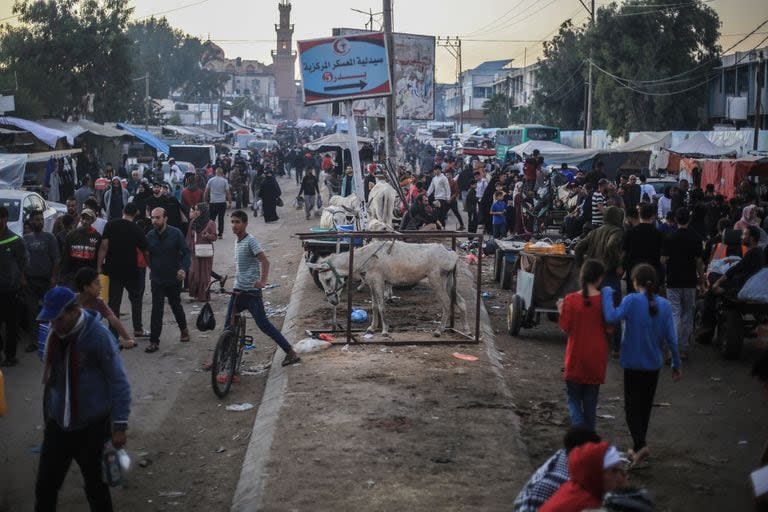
359	316
310	345
206	321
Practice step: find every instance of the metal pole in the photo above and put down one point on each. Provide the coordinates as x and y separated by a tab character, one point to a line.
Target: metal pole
349	289
390	126
146	102
588	138
461	88
356	167
478	285
453	287
759	77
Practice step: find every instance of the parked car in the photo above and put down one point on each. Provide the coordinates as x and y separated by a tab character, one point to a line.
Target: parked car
21	202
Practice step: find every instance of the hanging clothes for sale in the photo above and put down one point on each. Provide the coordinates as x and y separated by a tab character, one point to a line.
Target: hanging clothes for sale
50	167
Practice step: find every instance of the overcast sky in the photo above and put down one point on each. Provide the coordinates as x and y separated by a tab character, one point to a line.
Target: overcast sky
491	29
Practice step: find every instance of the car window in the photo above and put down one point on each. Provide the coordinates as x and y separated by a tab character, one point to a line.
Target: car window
14	208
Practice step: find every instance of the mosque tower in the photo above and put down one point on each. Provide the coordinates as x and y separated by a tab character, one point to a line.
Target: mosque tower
284	63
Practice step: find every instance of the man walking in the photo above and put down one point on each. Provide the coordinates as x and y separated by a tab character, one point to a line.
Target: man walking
81	247
440	190
13	261
121	245
169	262
43	269
682	254
453	201
251	275
84	192
218	194
310	189
87	400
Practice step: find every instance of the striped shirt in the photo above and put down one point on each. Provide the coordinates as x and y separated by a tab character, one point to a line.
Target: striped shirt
247	266
598	200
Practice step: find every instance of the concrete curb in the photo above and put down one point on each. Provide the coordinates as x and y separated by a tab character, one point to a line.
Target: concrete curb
253	476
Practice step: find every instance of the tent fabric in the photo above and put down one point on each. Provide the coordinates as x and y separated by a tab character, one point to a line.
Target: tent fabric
554	153
338	140
145	137
49	136
12	170
645	141
699	144
726	174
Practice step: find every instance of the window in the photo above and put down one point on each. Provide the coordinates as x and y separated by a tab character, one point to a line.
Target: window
256	85
481	92
742	80
730	82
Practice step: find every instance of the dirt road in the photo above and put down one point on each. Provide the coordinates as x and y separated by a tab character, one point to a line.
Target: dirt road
190	447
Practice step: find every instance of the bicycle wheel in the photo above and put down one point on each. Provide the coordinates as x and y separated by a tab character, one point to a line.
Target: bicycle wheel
224	362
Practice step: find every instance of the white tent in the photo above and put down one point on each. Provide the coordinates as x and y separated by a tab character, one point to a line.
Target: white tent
699	145
645	141
12	170
338	140
554	153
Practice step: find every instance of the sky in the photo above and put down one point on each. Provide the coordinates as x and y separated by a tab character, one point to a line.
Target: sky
490	29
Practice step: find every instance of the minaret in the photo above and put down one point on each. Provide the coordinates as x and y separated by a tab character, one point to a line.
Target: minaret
284	62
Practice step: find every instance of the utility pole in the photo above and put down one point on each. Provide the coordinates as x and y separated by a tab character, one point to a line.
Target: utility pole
390	126
759	83
588	123
454	48
146	101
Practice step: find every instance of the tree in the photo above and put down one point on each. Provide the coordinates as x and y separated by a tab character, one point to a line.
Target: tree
661	53
495	109
241	104
71	53
559	100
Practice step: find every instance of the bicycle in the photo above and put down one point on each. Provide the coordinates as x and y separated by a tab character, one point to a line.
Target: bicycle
228	353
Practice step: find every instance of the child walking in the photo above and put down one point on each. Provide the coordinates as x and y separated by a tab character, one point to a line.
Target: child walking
586	354
649	327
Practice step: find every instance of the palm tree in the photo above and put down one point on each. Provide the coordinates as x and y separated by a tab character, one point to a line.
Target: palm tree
495	109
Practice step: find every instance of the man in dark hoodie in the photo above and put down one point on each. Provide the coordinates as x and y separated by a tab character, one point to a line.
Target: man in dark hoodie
594	469
606	244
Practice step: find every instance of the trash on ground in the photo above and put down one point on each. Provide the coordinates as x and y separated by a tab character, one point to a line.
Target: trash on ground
486	295
464	357
662	404
345	348
270	286
606	416
240	407
368	336
327	337
359	316
310	345
220	449
171	494
276	311
716	379
743	442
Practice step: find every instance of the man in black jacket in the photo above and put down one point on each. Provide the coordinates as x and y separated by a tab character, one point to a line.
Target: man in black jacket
13	260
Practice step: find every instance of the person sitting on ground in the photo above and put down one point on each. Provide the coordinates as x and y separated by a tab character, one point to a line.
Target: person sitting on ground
89	297
553	473
594	469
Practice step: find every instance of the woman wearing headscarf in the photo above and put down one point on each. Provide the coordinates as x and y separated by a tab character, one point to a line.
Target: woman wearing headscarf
115	199
518	226
202	230
270	195
748	218
192	193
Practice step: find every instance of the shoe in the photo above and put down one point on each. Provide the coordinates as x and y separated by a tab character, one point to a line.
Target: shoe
223	282
10	362
32	347
141	334
308	217
220	237
291	358
184	336
153	347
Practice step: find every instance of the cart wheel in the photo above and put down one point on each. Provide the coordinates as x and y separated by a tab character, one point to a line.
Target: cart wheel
515	315
730	334
312	258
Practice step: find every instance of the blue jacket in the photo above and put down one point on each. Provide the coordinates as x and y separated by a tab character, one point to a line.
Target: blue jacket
644	335
102	385
168	253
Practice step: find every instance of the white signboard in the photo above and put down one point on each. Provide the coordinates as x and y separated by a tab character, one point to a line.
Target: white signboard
7	104
413	78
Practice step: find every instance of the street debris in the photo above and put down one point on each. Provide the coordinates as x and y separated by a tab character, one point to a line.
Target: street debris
240	407
464	357
310	345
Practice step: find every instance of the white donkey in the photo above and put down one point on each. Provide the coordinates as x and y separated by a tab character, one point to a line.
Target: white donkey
384	263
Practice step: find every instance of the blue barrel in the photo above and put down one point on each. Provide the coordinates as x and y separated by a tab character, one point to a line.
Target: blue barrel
42	337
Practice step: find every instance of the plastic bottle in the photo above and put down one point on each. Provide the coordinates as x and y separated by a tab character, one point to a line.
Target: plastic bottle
3	405
110	466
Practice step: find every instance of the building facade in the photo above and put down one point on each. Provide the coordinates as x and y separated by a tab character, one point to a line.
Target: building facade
732	92
465	100
518	85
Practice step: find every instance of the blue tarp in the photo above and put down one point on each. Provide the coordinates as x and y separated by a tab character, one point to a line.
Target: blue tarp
145	137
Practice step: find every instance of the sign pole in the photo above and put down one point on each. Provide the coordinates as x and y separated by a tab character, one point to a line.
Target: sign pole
357	170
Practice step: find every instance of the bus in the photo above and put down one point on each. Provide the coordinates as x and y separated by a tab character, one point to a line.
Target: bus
511	136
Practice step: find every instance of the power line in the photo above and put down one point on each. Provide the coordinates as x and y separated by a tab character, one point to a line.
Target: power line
200	2
474	32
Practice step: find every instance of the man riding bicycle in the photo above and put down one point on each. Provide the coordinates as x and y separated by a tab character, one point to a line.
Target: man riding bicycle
251	272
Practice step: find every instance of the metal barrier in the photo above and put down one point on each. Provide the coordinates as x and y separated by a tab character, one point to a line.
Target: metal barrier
405	236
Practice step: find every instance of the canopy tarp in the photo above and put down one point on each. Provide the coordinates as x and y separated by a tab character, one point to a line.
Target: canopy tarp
726	174
554	153
336	140
50	136
12	170
645	141
699	145
145	137
75	129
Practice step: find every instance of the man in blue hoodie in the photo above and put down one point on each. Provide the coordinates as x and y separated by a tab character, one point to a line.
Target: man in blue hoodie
87	399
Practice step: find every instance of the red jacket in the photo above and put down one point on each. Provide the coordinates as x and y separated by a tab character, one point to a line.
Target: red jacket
586	355
584	488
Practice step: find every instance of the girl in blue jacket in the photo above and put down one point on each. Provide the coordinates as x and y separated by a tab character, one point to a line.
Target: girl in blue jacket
649	327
